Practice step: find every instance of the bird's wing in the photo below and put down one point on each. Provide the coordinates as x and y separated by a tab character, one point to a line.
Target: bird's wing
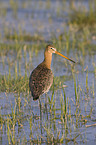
40	81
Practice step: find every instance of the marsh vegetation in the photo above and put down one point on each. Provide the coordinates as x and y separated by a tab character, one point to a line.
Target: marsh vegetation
26	27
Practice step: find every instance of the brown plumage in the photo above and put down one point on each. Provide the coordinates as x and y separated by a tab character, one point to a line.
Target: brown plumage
41	77
41	80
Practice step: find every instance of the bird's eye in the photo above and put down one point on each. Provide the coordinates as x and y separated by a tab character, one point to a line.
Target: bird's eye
51	48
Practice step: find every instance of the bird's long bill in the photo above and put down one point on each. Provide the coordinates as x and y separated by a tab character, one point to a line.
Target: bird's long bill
64	56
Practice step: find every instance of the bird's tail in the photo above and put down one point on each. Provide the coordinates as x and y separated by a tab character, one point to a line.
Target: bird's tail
35	97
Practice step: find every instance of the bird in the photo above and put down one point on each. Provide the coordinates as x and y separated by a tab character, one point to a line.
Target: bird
41	78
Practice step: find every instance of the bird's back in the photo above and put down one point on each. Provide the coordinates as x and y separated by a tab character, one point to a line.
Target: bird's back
40	81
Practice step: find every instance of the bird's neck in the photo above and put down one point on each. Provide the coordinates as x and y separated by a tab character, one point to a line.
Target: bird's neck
47	59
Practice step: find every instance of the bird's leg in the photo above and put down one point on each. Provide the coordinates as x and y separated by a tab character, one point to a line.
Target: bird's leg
40	106
46	106
46	102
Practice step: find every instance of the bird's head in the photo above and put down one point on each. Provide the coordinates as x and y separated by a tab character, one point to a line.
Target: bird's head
51	50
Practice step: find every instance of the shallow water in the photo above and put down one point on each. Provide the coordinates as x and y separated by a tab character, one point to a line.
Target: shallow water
35	18
86	101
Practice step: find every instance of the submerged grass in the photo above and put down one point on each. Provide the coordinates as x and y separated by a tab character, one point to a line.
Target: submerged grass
67	116
17	83
82	17
20	85
11	123
11	84
24	37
